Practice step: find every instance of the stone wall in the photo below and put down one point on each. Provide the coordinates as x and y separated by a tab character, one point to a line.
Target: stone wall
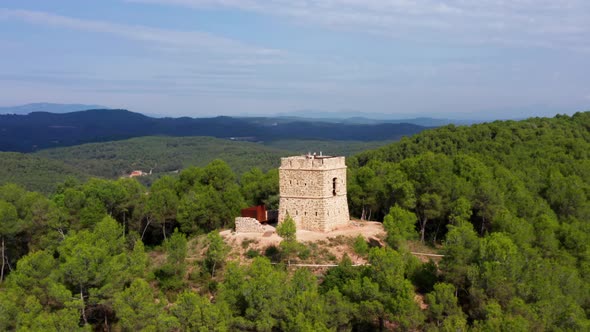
301	183
313	192
248	225
316	214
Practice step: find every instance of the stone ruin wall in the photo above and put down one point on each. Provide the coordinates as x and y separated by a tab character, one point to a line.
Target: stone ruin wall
307	192
248	225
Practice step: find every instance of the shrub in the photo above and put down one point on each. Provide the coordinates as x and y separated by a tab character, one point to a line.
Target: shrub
361	247
252	253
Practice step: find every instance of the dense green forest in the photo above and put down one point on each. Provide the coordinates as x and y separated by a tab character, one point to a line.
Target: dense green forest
36	173
508	202
164	155
43	170
505	202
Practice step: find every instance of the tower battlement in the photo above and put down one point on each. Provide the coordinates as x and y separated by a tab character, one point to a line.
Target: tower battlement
313	191
312	162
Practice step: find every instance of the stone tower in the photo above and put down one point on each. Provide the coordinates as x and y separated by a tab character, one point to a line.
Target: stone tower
313	192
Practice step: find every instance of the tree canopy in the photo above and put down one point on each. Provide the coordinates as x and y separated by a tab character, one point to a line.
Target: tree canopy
506	203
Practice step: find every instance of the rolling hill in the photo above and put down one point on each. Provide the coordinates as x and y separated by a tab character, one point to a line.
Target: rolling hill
163	155
503	208
507	203
41	130
43	170
47	107
35	172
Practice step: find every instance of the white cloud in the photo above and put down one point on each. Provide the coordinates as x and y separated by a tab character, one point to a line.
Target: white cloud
530	23
220	74
166	39
186	62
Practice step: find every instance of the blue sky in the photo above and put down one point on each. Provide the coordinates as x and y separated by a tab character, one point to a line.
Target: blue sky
460	59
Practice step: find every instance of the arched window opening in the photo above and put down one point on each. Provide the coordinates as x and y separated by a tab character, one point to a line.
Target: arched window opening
334	186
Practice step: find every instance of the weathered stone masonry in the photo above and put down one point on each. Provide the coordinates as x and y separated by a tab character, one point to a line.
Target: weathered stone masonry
313	192
248	225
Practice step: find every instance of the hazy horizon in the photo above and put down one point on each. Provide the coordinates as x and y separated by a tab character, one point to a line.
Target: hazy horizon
307	114
441	59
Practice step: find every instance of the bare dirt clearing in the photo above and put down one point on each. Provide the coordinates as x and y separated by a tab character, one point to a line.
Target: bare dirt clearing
330	246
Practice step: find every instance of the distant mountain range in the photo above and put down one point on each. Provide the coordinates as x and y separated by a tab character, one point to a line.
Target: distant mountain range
372	118
425	122
348	117
40	130
47	107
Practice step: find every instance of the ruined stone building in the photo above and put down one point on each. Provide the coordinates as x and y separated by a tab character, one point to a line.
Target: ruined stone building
313	192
